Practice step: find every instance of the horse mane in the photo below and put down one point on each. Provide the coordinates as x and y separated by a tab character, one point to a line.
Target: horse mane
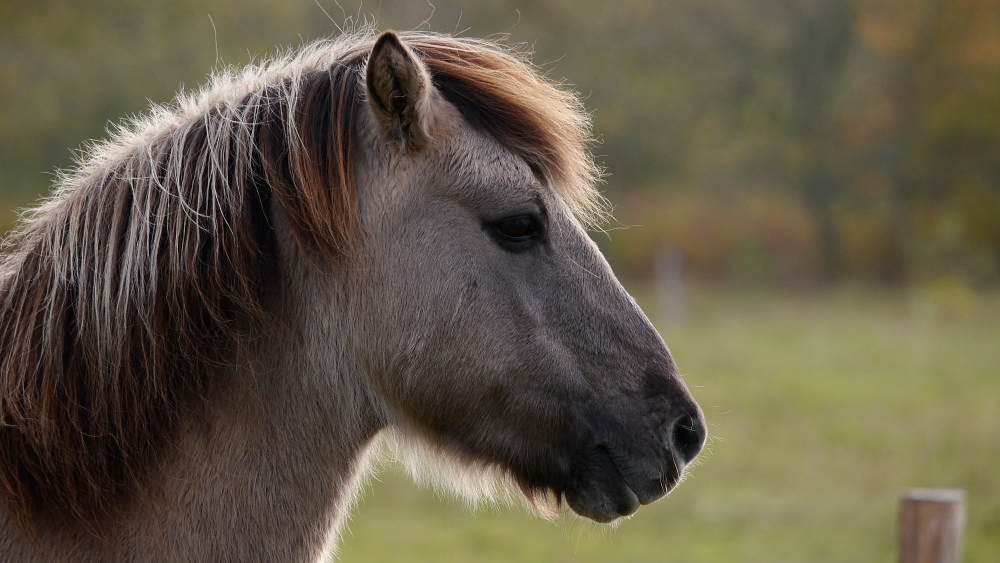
128	294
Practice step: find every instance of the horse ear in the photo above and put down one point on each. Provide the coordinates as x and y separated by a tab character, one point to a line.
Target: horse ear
398	87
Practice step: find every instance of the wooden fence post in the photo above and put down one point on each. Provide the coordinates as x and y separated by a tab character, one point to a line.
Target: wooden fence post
931	522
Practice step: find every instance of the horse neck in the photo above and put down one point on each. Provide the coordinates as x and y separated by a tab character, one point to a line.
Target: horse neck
268	479
269	470
272	473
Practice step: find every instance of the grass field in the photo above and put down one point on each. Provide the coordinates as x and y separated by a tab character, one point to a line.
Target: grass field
822	408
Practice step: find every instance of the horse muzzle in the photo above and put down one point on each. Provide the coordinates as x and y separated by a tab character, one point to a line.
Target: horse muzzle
611	479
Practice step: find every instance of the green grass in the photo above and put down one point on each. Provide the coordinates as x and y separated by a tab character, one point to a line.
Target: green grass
823	409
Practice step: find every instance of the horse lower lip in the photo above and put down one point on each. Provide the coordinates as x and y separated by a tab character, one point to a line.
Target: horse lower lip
602	493
649	489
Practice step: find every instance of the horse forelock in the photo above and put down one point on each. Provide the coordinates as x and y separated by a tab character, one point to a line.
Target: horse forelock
497	88
127	295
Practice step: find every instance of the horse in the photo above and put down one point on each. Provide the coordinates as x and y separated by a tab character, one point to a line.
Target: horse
218	312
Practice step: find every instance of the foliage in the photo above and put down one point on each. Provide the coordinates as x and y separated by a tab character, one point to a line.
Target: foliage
874	124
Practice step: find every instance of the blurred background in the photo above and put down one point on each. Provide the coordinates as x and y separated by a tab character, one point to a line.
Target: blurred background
807	203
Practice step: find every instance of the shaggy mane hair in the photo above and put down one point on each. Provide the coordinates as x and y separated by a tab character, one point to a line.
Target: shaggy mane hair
126	297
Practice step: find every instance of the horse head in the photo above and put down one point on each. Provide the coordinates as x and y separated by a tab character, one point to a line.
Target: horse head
490	324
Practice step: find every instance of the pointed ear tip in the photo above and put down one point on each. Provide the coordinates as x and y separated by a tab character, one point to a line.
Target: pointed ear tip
388	36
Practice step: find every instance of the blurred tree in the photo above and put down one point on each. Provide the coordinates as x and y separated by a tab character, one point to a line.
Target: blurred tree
939	141
804	46
821	33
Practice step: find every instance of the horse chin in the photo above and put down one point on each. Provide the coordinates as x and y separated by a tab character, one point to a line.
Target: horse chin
606	487
602	483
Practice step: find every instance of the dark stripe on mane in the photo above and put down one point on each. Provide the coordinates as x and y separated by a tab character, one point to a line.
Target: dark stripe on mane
317	192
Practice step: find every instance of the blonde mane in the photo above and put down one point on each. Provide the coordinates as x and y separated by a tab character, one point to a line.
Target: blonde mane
126	297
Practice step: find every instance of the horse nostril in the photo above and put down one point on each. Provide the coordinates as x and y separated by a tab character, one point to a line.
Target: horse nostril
687	437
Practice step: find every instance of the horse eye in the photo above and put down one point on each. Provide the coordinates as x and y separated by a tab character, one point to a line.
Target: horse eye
516	229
